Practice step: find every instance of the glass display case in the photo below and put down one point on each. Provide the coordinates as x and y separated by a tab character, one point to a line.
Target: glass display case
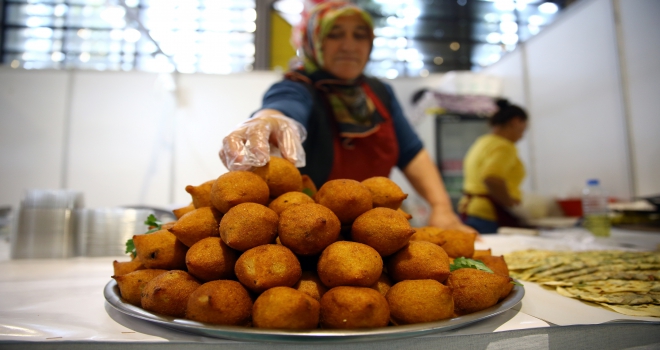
455	133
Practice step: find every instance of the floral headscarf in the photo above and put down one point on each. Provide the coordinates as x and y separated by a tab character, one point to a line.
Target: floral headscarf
317	25
351	107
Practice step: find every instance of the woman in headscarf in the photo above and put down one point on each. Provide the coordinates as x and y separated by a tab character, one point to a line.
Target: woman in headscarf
332	121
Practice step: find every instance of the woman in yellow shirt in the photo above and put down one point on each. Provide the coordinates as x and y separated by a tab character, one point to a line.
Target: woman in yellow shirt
493	172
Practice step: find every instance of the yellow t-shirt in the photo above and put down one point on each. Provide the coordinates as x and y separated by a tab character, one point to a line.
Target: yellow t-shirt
490	156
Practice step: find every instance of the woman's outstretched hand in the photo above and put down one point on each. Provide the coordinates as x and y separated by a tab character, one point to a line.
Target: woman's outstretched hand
448	220
249	145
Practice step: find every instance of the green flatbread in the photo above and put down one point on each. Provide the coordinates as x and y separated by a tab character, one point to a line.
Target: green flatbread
625	282
624	298
649	275
643	310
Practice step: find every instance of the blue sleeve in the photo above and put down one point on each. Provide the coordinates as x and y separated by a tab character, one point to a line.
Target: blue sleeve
291	98
409	142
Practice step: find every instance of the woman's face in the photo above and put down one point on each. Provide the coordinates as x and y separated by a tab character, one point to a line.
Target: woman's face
346	47
518	127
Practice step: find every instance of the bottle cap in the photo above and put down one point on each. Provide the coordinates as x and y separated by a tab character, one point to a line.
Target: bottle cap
592	182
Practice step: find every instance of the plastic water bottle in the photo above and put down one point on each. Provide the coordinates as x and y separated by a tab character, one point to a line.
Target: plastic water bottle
594	209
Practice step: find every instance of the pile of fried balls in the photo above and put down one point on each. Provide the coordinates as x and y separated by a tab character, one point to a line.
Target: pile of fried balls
264	248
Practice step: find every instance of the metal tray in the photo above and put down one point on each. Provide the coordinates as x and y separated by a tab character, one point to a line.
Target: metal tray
112	295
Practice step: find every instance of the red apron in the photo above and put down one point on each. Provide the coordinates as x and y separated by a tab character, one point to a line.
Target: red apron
504	217
369	156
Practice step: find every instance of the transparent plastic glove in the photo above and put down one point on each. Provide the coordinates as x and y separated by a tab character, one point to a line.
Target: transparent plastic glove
249	145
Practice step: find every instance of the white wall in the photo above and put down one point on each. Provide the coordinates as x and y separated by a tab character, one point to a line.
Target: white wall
32	125
574	81
122	138
210	107
575	98
639	40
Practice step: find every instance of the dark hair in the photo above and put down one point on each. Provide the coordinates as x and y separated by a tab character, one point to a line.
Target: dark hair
506	112
418	95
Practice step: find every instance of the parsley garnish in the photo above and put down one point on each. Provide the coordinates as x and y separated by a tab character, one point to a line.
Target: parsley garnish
152	222
130	247
465	263
308	192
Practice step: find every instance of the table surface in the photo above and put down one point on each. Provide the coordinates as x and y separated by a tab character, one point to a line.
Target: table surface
46	302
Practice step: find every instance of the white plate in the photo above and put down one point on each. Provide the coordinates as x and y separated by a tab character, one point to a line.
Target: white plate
111	293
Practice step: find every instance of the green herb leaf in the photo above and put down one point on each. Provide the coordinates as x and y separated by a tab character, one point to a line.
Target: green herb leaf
465	263
152	221
308	192
516	283
130	247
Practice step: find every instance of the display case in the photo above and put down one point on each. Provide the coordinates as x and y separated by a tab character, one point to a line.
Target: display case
454	134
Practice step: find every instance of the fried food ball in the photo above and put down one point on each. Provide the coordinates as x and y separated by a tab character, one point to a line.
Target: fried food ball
354	307
348	199
289	199
495	263
167	225
161	250
183	211
307	229
248	225
221	302
429	234
201	195
211	259
383	229
285	308
280	175
459	243
418	261
308	185
474	290
131	284
268	266
168	293
456	243
386	193
124	267
197	225
310	284
346	263
418	301
383	284
406	215
498	265
479	253
236	187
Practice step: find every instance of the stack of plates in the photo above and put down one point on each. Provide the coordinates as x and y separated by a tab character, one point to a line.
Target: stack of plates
59	199
104	231
44	227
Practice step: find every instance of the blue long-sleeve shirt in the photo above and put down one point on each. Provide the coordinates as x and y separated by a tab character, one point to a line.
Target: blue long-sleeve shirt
294	100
